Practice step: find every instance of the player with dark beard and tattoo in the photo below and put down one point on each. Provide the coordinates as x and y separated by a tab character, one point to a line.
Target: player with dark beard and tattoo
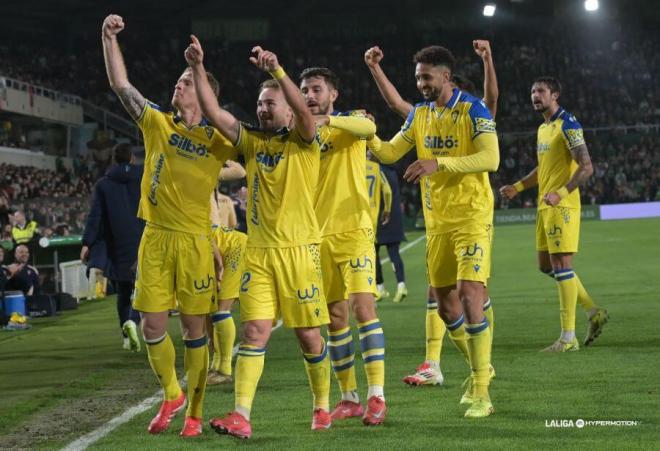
183	157
563	165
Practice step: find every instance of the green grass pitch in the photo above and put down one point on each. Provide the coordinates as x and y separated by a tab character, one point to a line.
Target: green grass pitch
68	375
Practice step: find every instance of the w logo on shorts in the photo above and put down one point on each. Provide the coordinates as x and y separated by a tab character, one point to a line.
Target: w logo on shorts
203	285
360	264
315	292
556	230
471	251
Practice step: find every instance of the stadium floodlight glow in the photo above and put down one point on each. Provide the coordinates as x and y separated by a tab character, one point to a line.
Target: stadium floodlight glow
591	5
489	10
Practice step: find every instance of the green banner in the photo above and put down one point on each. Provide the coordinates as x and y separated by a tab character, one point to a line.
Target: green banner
528	215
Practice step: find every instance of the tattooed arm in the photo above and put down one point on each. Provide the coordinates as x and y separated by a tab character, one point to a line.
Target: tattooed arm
130	97
581	156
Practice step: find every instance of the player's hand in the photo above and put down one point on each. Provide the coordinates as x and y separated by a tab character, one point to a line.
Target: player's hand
482	48
385	218
508	191
194	54
321	120
84	254
373	56
419	169
264	59
552	199
112	25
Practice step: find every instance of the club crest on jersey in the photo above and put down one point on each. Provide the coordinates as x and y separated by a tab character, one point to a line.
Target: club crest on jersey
209	132
454	116
186	148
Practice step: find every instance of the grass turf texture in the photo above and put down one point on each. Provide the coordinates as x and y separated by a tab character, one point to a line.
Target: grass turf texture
68	374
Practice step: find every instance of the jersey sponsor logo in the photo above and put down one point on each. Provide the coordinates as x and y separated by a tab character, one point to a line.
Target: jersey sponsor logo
542	147
203	285
438	142
471	251
245	279
556	230
254	211
269	162
186	148
484	125
310	294
427	194
360	264
155	180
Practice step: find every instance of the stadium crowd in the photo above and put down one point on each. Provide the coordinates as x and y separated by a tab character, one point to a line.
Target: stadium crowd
608	83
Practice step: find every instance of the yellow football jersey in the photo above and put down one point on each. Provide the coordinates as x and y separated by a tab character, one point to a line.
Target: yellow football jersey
342	201
555	138
451	200
282	177
181	167
376	184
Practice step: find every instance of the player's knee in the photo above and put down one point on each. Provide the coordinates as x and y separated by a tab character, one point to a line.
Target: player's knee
363	307
310	340
255	334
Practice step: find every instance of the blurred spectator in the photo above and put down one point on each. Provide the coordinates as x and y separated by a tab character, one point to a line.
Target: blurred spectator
23	231
101	150
22	276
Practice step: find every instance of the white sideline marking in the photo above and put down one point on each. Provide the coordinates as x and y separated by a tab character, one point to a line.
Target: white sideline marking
404	248
127	415
88	439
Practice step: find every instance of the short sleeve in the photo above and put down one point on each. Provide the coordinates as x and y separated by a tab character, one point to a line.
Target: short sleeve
147	117
247	139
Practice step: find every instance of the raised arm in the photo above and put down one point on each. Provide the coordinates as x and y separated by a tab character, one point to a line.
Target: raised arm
491	92
304	120
528	181
372	58
221	119
130	97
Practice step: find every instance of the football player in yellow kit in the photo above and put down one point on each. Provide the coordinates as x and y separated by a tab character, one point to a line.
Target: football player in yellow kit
183	156
282	274
454	134
429	373
347	249
563	165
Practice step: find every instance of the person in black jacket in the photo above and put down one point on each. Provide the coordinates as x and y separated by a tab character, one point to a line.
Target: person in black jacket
390	235
112	233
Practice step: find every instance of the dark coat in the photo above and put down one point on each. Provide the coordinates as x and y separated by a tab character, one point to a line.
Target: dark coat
113	227
392	232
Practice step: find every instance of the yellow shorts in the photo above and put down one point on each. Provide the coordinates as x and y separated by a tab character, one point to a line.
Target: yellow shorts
284	281
175	270
462	254
558	230
348	261
231	244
